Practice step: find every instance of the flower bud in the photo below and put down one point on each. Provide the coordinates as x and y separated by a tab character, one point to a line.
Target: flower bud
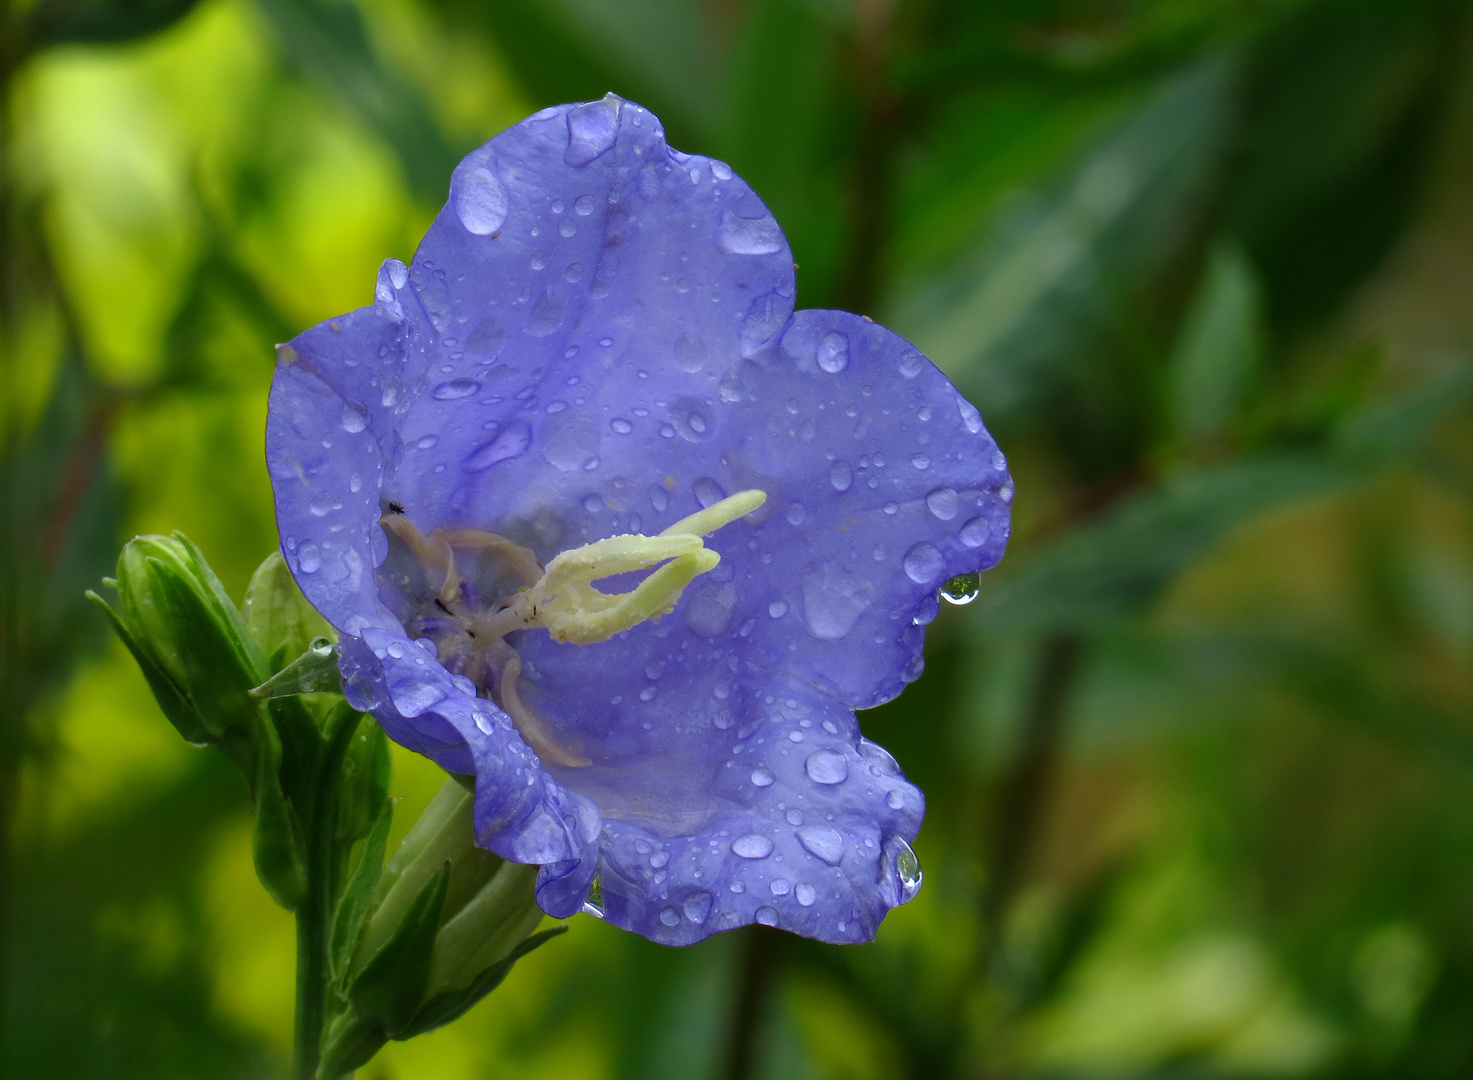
187	636
445	923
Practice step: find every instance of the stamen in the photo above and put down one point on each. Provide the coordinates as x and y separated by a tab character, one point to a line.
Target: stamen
562	599
433	553
519	561
529	724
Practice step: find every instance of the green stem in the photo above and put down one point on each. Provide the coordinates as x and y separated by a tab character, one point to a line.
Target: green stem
314	914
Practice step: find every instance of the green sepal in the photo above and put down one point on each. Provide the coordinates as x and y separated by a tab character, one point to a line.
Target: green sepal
363	788
277	843
277	613
216	671
349	1042
391	984
452	1005
171	699
353	905
314	672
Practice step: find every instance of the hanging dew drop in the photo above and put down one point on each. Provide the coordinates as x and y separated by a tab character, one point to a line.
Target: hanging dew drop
907	870
594	904
963	588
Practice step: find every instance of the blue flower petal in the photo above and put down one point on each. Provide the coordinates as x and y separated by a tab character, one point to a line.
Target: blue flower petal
597	337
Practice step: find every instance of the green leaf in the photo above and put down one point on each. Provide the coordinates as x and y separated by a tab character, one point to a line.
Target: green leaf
348	920
364	785
389	987
58	22
215	673
1009	320
451	1006
349	1042
1399	427
277	842
1118	566
1218	350
326	41
277	613
172	701
655	52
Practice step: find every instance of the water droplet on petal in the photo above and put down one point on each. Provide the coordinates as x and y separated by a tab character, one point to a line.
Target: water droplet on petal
321	504
777	609
720	169
697	907
592	129
944	503
970	416
478	196
749	236
764	318
910	364
455	390
879	759
841	475
827	767
901	863
620	426
975	532
752	846
805	893
762	776
833	353
546	316
708	492
833	601
690	352
309	559
583	205
895	799
929	608
355	417
780	886
767	916
509	444
669	916
825	844
963	588
922	563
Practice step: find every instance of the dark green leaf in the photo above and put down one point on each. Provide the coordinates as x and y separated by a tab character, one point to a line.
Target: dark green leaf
448	1007
348	918
277	842
389	987
1009	320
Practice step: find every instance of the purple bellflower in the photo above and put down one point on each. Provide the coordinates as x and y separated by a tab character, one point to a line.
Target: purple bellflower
593	368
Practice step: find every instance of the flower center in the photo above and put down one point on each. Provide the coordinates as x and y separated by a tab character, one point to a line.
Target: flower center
562	599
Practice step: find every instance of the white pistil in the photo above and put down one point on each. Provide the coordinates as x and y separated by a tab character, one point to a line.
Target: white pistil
565	603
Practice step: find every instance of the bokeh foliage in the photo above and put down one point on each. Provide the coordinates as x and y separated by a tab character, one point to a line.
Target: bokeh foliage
1199	759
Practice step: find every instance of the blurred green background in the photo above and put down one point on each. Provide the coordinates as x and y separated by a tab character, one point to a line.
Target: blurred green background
1200	757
